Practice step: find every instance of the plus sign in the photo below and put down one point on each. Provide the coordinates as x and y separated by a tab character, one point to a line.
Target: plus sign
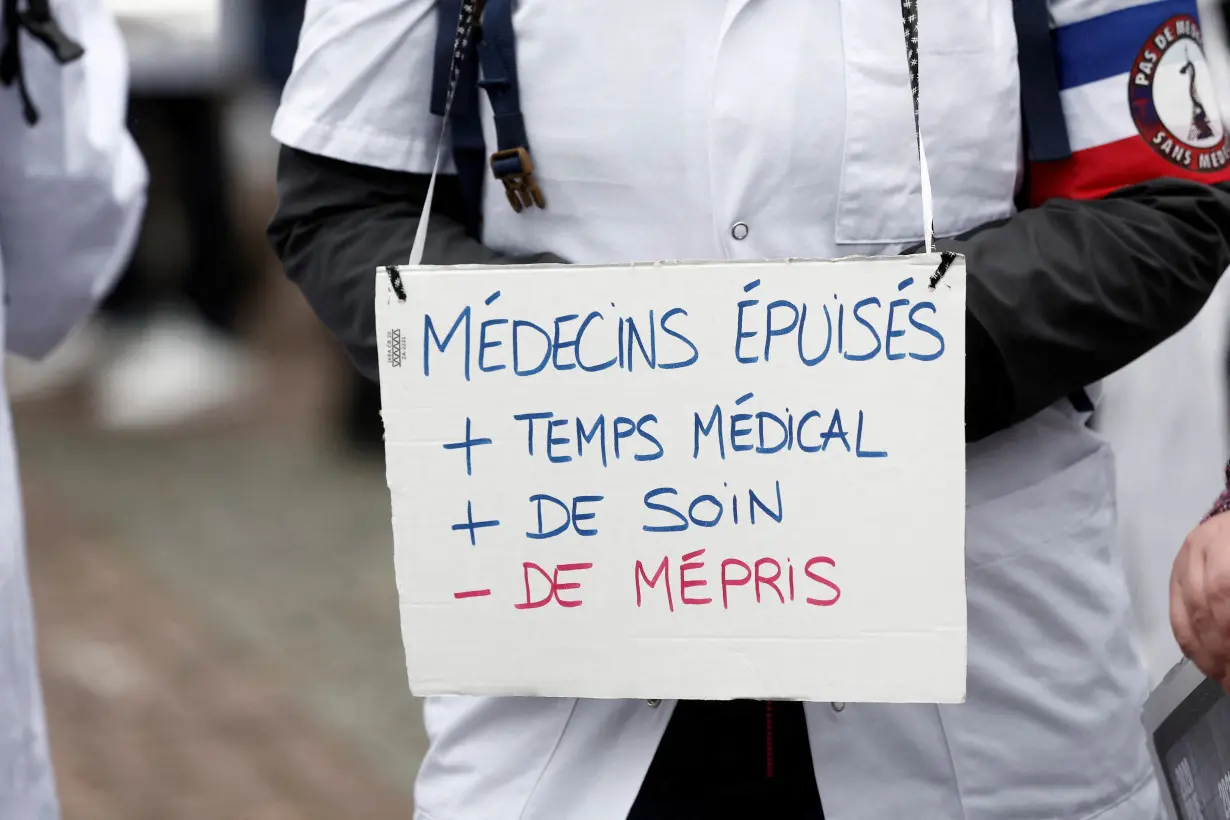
467	445
471	525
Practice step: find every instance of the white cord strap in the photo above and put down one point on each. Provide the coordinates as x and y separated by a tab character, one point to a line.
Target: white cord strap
909	16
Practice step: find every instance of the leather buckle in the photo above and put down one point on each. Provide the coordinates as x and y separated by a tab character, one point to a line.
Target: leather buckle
515	169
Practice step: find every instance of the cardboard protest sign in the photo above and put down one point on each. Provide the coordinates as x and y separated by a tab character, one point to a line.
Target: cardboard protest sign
679	481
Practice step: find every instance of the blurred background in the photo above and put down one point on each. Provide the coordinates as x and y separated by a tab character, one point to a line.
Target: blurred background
210	545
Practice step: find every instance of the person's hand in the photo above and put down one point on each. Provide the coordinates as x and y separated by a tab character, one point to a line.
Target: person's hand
1200	598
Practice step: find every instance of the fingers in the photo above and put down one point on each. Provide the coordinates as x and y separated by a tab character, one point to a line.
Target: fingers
1217	588
1217	594
1196	625
1180	621
1194	584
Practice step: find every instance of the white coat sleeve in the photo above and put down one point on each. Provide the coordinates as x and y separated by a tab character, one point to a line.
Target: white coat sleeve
72	186
360	91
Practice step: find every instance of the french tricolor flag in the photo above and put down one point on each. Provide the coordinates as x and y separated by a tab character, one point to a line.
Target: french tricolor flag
1139	103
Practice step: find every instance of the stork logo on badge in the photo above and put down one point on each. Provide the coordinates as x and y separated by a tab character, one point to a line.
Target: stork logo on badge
1172	97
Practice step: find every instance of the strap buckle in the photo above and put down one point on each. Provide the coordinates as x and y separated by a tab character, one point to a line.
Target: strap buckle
515	169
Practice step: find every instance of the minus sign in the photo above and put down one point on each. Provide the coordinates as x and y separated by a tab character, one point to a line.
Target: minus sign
474	593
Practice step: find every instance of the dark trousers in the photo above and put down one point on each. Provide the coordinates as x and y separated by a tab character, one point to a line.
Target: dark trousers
361	422
736	759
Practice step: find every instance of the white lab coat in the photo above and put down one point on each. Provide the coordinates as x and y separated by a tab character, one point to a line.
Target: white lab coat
656	127
72	191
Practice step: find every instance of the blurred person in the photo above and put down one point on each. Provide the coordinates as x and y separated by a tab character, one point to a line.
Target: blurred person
179	352
72	191
661	131
1166	418
168	348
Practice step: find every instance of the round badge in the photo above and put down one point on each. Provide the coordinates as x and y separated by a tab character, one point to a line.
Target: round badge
1173	100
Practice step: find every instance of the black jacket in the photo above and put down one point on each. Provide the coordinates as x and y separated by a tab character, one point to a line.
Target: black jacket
1059	296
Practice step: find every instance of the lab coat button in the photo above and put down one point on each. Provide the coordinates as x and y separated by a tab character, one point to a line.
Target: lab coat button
739	231
654	704
839	707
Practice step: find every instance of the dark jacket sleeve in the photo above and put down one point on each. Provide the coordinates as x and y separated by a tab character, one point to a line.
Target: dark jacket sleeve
1059	296
337	222
1062	295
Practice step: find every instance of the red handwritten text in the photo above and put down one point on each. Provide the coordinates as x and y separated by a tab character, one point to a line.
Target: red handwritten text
555	586
766	580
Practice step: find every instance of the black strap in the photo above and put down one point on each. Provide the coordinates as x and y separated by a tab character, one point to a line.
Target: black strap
1046	130
39	23
1081	401
465	126
453	55
485	36
497	52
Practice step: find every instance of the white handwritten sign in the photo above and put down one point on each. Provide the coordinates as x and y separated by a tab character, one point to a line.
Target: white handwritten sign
679	481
